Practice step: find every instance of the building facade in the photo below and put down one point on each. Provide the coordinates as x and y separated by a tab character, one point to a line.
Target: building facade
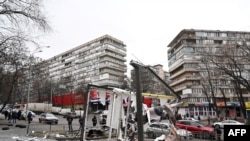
188	74
100	62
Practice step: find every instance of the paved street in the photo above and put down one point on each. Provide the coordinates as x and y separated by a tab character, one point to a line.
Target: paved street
19	134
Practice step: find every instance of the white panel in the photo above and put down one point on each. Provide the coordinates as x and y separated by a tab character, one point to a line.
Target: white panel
187	91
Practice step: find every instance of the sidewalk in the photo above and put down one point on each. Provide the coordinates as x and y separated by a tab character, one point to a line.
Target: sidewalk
12	133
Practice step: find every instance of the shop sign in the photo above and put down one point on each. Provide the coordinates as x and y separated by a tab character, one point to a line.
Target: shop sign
220	104
230	104
247	104
185	104
198	104
206	104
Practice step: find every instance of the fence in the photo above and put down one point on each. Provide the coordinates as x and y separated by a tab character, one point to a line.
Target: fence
196	136
60	132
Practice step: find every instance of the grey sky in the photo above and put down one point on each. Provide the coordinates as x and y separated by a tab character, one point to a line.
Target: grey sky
145	26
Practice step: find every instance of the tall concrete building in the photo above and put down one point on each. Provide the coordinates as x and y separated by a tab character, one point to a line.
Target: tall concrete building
100	62
150	84
187	71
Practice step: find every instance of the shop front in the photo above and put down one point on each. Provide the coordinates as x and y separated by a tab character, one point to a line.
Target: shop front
247	104
199	109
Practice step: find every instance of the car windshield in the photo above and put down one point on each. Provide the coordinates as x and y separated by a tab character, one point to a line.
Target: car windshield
50	115
197	124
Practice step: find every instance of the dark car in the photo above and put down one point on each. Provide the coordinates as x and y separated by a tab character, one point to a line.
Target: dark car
157	129
48	118
197	128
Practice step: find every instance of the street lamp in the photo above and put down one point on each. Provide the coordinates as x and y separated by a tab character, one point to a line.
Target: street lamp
38	49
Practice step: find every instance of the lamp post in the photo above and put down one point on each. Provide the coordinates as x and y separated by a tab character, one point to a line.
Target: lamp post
38	49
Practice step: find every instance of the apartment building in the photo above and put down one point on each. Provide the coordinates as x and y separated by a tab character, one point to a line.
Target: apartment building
100	62
150	84
187	69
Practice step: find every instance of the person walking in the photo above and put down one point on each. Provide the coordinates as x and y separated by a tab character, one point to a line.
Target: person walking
29	117
9	117
81	122
14	116
6	114
208	120
94	120
70	120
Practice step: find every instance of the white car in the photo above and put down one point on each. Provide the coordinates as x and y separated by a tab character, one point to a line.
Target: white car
48	118
226	122
158	129
190	118
24	114
2	116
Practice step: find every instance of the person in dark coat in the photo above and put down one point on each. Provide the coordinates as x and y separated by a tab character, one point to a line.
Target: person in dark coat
70	120
6	113
29	117
14	116
94	120
81	122
9	117
19	113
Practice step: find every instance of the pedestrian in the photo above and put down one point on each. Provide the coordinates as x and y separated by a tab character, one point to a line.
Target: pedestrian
14	116
9	117
81	122
29	117
199	118
208	120
70	120
19	113
104	120
94	120
6	113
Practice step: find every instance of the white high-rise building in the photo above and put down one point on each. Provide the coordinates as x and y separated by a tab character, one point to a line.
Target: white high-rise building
100	62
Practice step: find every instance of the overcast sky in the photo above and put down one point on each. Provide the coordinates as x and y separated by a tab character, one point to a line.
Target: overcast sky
145	26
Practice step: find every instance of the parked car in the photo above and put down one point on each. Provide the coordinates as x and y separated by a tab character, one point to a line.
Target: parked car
48	118
226	122
2	116
157	129
64	111
190	118
74	114
24	114
196	127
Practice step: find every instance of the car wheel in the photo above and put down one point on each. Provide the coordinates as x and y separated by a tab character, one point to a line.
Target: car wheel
150	134
5	128
217	126
22	126
205	135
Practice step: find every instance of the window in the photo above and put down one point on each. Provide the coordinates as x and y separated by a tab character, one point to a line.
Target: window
155	126
185	122
196	124
188	49
164	126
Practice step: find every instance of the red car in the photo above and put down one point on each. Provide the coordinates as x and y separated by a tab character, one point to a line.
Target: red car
197	128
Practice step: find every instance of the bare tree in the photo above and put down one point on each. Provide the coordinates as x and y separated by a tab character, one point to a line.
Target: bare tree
209	89
147	82
234	62
18	17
